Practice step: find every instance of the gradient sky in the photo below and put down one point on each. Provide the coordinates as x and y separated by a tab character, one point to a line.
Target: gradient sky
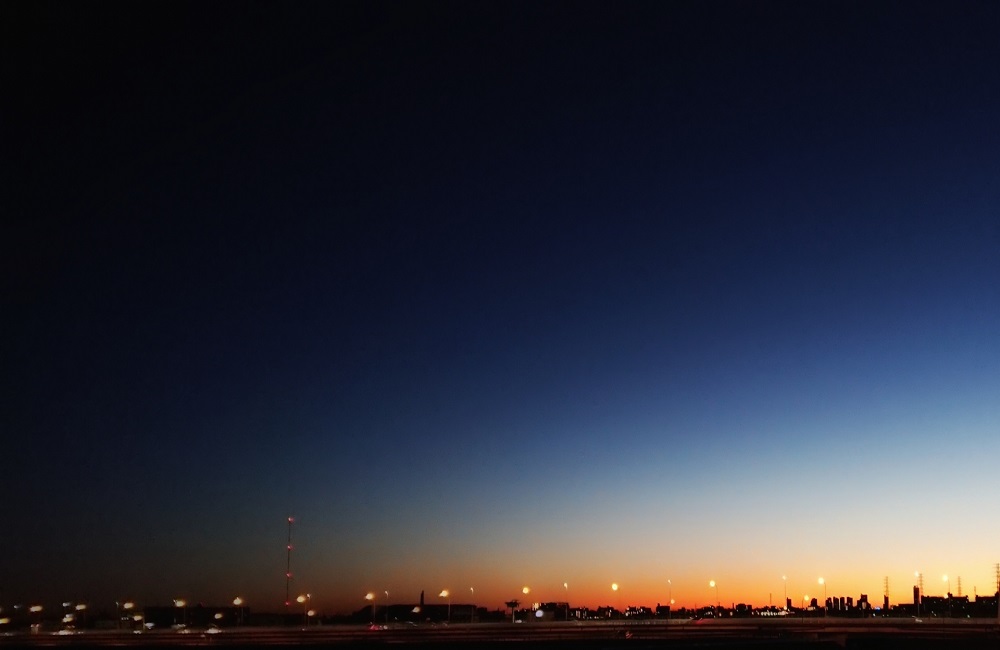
499	294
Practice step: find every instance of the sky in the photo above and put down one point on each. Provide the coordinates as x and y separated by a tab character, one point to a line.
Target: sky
499	294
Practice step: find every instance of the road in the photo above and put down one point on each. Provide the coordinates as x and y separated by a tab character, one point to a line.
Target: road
732	633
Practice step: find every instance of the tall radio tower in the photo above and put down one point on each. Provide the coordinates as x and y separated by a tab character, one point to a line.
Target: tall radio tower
288	564
996	567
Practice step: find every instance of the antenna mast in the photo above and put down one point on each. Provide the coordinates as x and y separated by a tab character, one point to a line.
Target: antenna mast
996	568
288	564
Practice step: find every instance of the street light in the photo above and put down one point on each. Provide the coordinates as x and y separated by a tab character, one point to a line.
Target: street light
823	582
127	606
303	600
945	578
387	607
181	604
238	602
566	587
370	596
472	616
446	594
711	583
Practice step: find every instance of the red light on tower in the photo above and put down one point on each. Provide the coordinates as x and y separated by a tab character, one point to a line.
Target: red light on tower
288	563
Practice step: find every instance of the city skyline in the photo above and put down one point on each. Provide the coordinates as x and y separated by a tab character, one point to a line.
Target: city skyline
648	592
498	294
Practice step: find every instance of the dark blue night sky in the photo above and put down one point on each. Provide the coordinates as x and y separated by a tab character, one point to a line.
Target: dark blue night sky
451	281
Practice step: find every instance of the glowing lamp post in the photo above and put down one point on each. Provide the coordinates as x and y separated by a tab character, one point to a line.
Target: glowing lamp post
238	603
823	582
304	601
446	594
711	583
181	604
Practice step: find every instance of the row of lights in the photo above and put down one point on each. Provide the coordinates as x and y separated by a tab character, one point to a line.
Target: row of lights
305	599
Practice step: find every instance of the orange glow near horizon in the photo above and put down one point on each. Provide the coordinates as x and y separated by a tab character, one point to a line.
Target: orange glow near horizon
688	589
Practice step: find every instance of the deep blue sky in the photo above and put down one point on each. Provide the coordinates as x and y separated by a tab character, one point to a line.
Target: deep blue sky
453	282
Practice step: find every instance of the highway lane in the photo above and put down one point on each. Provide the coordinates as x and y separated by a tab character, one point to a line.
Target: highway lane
731	633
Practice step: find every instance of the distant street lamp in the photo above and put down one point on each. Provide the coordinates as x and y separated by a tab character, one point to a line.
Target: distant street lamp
446	594
238	602
472	616
127	606
566	587
945	578
670	597
711	583
825	605
181	604
370	597
387	607
618	600
304	601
